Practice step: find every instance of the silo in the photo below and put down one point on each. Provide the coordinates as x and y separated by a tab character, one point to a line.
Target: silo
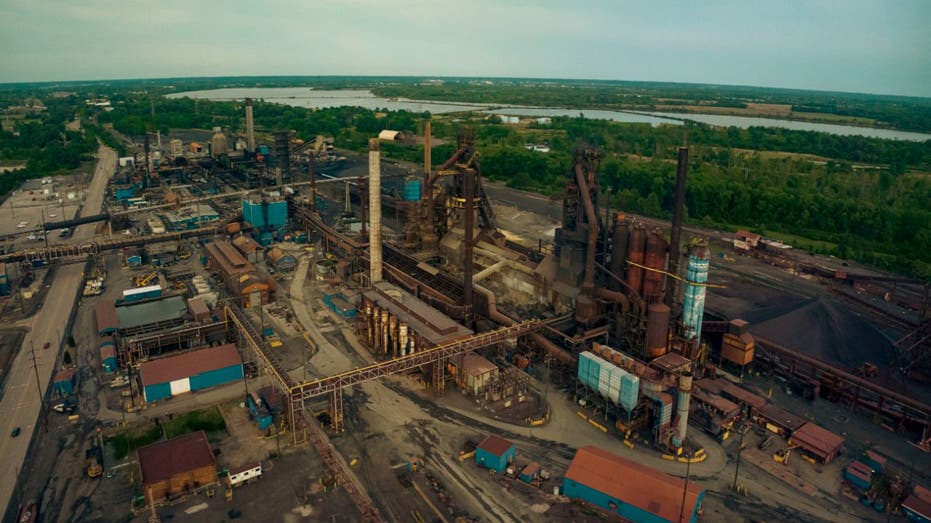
656	260
619	241
657	329
693	301
636	253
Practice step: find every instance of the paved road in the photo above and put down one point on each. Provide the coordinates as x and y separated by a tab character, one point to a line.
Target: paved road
20	404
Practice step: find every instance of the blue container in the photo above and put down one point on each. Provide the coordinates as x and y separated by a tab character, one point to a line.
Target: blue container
412	190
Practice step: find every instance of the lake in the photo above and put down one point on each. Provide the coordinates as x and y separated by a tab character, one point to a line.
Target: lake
314	98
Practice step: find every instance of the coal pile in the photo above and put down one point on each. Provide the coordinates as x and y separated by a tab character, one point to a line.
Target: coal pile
822	329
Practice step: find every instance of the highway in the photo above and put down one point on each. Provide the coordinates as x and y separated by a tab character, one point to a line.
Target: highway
20	403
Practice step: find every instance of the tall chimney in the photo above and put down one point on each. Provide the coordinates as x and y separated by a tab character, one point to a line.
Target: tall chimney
468	229
427	236
374	210
676	233
250	127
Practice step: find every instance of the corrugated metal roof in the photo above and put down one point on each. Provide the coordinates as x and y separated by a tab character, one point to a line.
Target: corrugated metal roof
64	375
243	468
161	461
277	254
495	445
633	483
918	506
473	364
781	417
188	364
246	244
817	439
141	290
107	351
197	307
148	312
105	312
742	395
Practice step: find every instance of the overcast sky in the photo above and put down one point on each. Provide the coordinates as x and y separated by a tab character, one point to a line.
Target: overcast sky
881	46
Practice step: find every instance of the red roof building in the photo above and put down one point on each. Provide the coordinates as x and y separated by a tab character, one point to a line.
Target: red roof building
188	364
634	491
176	466
817	441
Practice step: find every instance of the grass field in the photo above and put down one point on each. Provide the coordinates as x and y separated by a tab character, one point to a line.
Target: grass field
209	420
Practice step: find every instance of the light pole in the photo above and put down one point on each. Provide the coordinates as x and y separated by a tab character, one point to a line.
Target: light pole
740	447
35	368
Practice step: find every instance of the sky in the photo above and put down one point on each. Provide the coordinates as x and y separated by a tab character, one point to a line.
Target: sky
880	46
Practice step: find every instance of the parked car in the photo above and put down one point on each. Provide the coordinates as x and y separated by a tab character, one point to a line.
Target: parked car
15	432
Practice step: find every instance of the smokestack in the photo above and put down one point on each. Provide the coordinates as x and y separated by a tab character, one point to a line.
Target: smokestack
682	407
375	210
427	236
693	299
468	192
676	233
250	127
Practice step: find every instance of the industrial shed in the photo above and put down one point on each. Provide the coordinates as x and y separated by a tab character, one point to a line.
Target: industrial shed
177	466
108	358
249	248
65	382
190	372
629	489
107	322
821	443
495	452
780	421
281	260
474	373
917	507
198	309
238	274
151	315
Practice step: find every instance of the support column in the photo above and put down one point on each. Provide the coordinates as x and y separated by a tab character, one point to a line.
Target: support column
336	410
439	377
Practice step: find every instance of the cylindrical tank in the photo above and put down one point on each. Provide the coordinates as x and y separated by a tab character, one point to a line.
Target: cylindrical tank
682	407
586	309
657	329
619	241
693	301
655	259
411	190
636	253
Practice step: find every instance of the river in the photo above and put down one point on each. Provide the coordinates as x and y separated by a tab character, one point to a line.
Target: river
314	98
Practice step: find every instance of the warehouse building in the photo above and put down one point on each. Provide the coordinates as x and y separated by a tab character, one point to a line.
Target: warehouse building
65	382
152	315
495	453
631	490
177	466
105	314
240	277
190	217
818	442
249	248
474	373
190	372
265	211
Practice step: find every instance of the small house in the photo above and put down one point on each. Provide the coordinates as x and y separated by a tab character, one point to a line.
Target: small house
495	453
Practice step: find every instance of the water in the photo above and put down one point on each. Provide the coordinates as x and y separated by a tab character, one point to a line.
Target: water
744	122
318	99
313	98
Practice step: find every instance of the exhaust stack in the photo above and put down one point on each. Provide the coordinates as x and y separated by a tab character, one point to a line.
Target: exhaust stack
250	127
375	211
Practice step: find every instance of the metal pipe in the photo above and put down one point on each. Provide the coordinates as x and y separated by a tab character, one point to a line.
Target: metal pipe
676	233
250	127
497	316
375	260
427	236
589	282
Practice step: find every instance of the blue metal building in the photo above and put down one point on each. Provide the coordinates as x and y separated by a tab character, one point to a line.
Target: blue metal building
108	358
259	410
190	372
65	382
631	490
265	213
495	452
4	280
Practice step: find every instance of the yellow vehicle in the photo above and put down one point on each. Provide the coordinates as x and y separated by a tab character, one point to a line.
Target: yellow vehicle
142	281
782	456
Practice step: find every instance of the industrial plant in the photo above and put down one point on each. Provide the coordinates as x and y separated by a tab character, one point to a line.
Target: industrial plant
295	283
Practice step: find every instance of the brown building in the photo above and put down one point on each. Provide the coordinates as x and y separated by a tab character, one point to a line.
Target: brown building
241	278
177	466
248	247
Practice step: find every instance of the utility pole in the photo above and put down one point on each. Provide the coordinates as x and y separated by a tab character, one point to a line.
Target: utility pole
685	489
740	447
35	368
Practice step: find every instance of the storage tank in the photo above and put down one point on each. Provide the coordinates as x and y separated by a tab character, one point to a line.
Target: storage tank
636	253
412	190
619	241
657	329
653	280
693	301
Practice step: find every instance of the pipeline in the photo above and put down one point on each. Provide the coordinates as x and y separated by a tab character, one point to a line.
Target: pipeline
497	316
589	283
